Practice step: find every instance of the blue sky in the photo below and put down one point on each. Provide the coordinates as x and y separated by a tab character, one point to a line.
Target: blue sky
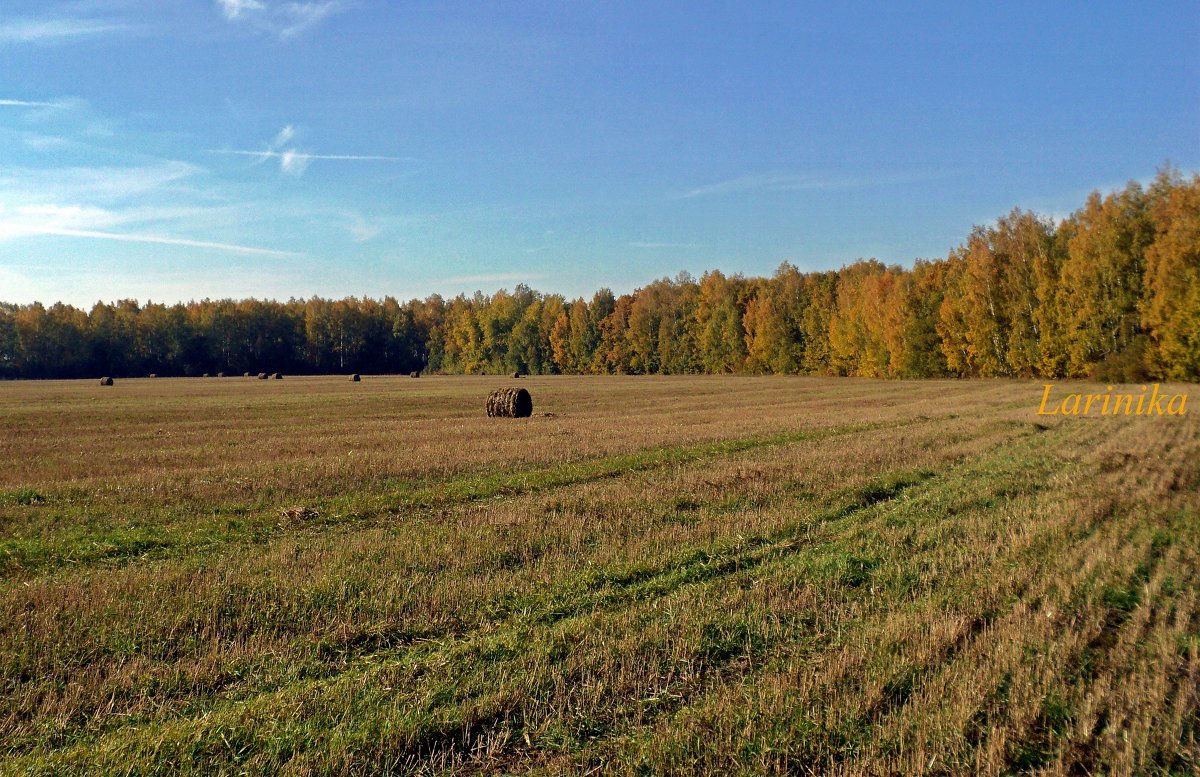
273	148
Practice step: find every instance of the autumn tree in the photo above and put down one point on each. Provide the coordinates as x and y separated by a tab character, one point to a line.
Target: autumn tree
1101	284
613	354
720	339
1113	291
1171	307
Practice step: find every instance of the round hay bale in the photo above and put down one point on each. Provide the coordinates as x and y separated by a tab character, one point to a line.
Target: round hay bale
518	374
278	376
152	375
355	378
106	381
510	403
206	375
414	374
263	376
220	374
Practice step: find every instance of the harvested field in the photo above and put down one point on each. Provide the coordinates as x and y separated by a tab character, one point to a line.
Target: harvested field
650	575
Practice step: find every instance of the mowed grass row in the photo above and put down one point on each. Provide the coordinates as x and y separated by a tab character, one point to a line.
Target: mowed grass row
971	591
235	441
317	464
417	578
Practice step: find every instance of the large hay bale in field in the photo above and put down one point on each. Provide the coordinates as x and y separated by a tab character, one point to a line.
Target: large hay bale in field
263	376
106	381
206	375
278	376
414	374
355	378
152	375
245	374
518	374
220	374
510	403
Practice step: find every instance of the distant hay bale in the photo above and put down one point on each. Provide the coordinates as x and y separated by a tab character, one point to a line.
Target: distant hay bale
245	374
220	374
263	376
206	375
278	376
518	374
106	381
355	378
510	403
414	374
152	375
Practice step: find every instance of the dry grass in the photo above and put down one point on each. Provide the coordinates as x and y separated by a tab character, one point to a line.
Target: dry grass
707	575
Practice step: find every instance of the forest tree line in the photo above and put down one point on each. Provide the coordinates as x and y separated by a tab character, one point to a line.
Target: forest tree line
1111	292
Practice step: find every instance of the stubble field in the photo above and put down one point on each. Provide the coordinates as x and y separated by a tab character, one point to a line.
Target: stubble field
651	575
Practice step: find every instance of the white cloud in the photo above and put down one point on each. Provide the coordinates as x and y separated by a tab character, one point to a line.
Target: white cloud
301	16
46	142
786	182
31	219
53	215
58	116
29	104
18	230
56	30
342	157
294	162
284	137
103	184
132	205
282	19
744	183
653	245
360	229
492	278
235	9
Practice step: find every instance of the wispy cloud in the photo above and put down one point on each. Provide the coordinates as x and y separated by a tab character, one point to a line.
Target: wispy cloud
66	114
19	230
6	103
46	142
57	30
104	184
125	204
492	278
283	19
37	217
31	218
283	154
787	182
294	161
653	245
284	137
360	229
301	16
236	9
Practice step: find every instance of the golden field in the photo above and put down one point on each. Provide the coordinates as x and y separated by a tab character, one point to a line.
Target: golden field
706	575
